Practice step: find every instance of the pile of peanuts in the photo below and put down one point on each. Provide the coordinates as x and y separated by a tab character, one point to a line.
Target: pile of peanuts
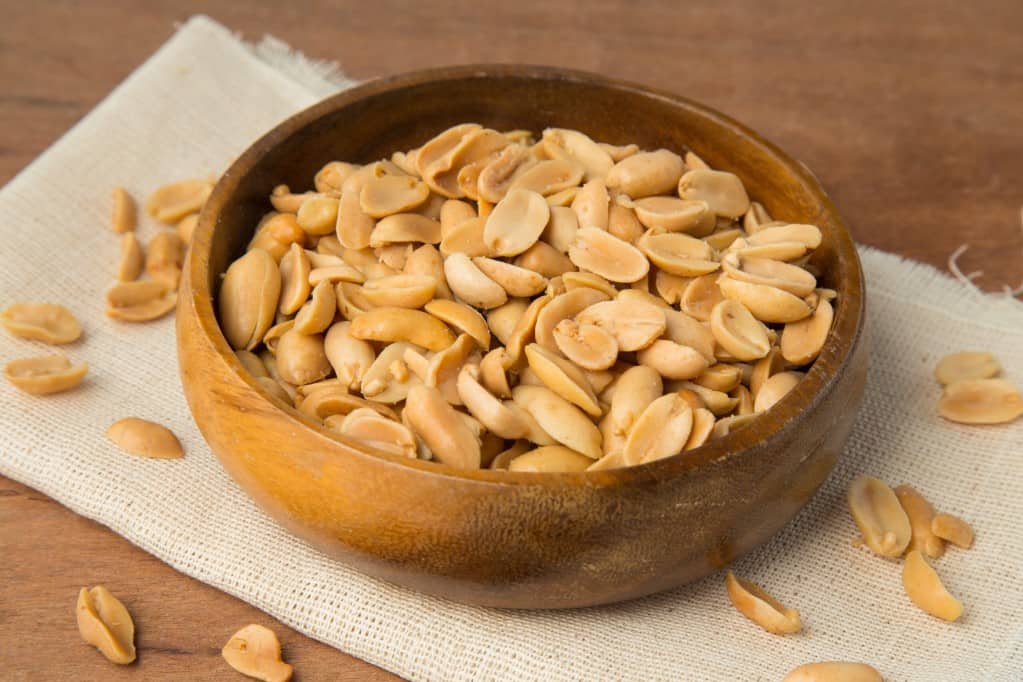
493	300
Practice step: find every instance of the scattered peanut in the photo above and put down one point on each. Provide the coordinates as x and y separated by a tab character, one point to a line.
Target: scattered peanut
145	438
47	322
833	671
45	375
255	651
758	606
952	529
926	590
980	401
104	623
881	519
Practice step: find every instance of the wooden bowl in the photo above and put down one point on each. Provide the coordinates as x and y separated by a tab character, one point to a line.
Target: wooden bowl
516	539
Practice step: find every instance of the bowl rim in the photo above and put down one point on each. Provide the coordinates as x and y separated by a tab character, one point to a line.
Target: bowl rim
787	415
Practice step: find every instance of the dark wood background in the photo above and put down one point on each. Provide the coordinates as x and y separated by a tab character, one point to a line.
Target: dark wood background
910	113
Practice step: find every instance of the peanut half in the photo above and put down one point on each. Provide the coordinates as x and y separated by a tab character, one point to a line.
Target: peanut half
926	590
882	520
45	375
952	529
980	401
47	322
833	671
104	623
145	439
758	606
255	651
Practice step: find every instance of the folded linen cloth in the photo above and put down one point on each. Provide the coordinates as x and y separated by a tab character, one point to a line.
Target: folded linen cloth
196	104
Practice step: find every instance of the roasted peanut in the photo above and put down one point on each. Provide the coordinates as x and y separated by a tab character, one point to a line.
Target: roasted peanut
952	529
255	652
980	401
925	589
966	365
758	606
882	520
141	301
145	439
833	671
921	515
124	215
104	623
47	322
45	375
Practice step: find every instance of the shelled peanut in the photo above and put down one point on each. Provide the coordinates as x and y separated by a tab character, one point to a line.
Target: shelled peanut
493	300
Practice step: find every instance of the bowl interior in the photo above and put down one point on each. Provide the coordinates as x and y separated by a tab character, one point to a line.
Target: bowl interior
374	120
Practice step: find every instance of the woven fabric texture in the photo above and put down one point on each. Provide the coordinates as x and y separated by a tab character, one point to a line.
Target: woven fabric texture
196	104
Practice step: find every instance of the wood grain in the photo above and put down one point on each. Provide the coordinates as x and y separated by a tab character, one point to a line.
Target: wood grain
909	114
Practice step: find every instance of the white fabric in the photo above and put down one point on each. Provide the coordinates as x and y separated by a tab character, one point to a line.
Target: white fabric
195	105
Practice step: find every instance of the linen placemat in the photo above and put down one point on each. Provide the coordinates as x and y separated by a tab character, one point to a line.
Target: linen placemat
195	105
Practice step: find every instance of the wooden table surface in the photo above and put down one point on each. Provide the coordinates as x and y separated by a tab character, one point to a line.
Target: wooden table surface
910	113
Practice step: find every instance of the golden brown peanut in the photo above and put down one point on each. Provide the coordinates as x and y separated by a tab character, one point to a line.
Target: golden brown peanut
679	254
141	301
270	362
514	280
45	374
694	162
248	298
398	324
966	365
563	199
389	194
745	398
925	589
164	256
578	280
738	332
370	428
833	671
318	312
104	623
646	174
587	345
562	143
334	401
441	144
701	296
516	222
785	276
123	217
463	319
882	520
633	324
46	322
353	227
453	213
172	202
307	389
331	178
952	529
758	606
562	377
348	356
394	256
318	215
255	652
550	459
660	431
426	260
442	369
703	427
496	177
623	223
723	239
400	291
466	238
469	283
602	253
283	200
774	389
545	260
636	389
672	360
503	319
980	401
723	192
802	341
765	368
129	267
755	217
921	514
492	372
301	358
485	407
768	304
668	214
670	287
619	152
559	418
274	334
807	235
549	177
717	402
145	439
442	428
475	147
295	269
720	377
405	227
275	233
504	458
590	205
